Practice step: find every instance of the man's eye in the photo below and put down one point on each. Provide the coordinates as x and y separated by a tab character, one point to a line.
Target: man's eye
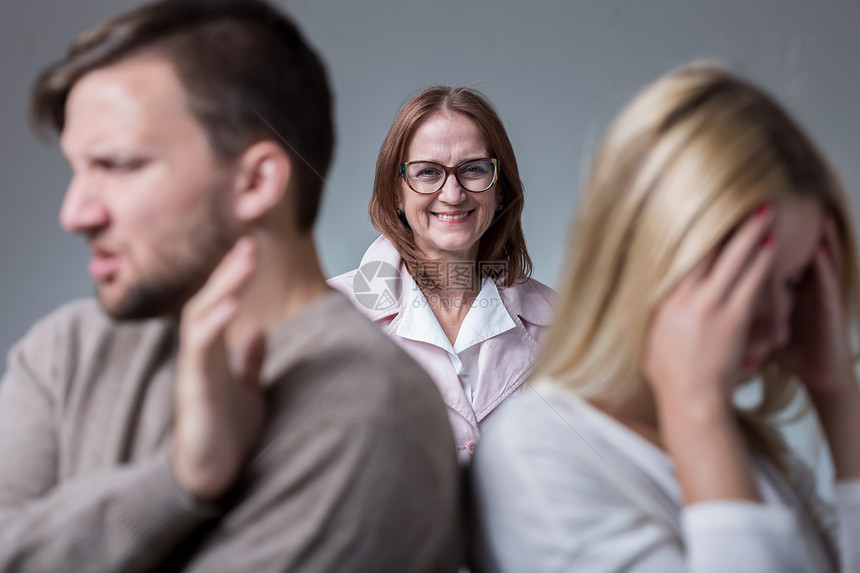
121	165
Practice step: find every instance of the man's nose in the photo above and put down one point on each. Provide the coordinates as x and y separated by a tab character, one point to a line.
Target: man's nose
82	210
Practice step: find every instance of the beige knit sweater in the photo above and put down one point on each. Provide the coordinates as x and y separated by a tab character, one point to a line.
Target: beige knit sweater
355	470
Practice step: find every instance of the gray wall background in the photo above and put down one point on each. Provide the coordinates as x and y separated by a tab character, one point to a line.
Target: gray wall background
557	71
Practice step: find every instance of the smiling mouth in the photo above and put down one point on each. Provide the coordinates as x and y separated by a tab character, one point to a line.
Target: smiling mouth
453	216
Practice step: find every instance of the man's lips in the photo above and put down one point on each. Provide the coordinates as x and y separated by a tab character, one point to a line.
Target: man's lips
103	265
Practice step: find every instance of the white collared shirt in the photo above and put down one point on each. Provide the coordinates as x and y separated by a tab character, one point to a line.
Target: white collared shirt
487	317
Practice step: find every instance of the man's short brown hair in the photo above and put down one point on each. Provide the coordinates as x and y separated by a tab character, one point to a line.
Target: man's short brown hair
247	70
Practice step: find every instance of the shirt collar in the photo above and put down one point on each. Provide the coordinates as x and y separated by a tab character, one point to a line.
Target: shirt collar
417	321
381	258
529	300
486	318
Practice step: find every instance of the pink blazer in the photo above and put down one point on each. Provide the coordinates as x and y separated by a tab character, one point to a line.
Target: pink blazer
504	362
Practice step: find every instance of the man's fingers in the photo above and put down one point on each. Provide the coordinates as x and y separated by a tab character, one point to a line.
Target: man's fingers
208	327
228	279
253	355
203	357
731	264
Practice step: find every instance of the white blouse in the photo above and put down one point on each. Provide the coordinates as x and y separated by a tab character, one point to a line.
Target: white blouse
561	486
486	318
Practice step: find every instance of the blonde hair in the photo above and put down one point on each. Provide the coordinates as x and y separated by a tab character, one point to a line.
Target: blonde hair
680	167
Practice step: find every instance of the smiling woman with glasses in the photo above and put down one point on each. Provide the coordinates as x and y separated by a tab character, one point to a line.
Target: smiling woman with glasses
449	279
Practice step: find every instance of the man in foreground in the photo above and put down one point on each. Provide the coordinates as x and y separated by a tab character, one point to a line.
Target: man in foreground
220	408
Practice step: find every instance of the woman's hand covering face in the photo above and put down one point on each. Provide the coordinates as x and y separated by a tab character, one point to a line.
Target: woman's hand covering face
698	333
818	352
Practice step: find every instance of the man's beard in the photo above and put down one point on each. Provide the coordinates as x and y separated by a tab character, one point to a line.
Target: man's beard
156	298
182	272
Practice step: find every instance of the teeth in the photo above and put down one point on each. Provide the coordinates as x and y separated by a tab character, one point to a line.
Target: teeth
451	217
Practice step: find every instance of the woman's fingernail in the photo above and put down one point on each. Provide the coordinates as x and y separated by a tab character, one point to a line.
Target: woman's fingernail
767	241
762	210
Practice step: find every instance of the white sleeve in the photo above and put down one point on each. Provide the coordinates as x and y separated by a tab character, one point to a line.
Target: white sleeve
839	520
547	500
541	506
744	536
847	501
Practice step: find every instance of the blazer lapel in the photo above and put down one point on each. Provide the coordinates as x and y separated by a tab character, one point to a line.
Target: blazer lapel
507	359
437	363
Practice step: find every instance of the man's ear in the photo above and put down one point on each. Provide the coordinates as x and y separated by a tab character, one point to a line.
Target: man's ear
264	172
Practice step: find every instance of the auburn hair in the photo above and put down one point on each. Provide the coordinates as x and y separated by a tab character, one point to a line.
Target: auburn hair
503	242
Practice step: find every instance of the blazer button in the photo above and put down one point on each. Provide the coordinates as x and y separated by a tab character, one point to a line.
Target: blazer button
470	447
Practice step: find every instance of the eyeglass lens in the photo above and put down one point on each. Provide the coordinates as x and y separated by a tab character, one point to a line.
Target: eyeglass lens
428	177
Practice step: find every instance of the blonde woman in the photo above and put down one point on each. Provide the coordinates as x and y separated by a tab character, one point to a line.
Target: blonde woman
713	246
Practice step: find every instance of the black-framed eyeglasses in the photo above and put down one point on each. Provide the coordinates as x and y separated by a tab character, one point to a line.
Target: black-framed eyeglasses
426	177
